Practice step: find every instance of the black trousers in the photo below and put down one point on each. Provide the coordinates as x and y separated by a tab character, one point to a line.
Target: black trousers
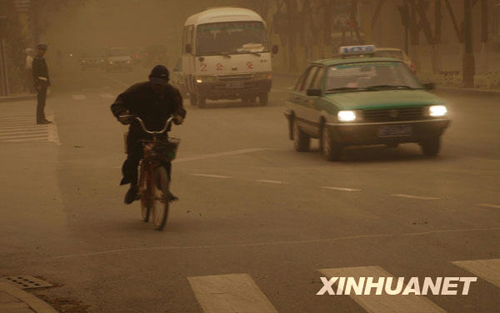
135	154
42	96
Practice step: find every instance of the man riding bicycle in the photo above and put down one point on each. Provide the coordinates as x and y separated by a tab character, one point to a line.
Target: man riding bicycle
154	101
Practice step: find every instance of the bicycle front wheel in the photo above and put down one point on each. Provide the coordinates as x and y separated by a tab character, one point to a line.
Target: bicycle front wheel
160	199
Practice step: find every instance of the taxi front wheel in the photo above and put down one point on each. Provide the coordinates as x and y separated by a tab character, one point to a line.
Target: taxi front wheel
431	146
301	141
331	150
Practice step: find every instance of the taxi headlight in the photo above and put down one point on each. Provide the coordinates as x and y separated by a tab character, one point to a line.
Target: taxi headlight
437	110
346	116
263	75
110	62
206	79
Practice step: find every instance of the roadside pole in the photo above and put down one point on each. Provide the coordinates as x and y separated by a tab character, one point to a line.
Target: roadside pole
468	57
3	57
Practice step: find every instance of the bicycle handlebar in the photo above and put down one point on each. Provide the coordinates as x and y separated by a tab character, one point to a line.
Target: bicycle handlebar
151	132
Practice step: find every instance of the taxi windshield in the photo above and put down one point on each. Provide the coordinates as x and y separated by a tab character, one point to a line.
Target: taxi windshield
369	76
231	37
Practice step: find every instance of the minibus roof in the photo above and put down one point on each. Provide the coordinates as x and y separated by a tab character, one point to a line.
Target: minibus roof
223	14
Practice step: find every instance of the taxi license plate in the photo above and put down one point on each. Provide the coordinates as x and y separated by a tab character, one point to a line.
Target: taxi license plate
234	85
394	131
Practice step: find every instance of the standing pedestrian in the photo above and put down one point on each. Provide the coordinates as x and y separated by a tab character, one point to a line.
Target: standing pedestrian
28	69
42	82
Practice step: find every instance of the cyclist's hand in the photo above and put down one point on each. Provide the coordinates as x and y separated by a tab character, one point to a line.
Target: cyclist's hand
178	120
125	119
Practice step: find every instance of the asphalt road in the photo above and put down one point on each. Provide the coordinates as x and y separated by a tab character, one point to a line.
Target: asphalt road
257	223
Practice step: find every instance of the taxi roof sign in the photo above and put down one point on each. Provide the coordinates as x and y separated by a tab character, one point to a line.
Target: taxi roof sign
354	50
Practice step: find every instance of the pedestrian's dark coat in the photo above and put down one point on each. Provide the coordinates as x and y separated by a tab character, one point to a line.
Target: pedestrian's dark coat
40	69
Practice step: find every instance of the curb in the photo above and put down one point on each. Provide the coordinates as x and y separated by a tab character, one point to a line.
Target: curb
27	298
17	98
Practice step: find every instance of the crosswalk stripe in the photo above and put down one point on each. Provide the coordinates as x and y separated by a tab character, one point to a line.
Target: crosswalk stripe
488	270
34	126
79	97
24	136
384	302
107	96
20	131
232	293
26	140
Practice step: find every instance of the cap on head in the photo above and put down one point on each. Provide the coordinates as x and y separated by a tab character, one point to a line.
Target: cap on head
41	46
159	75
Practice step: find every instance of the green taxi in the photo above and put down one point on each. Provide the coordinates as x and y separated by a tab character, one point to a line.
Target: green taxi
360	99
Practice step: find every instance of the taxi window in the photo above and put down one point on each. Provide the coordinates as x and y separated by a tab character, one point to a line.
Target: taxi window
318	80
299	86
369	74
310	77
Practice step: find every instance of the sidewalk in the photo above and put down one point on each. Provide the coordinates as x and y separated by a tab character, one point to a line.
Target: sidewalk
17	97
15	300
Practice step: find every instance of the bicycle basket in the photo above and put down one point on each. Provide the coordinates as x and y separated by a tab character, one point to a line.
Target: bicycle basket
165	150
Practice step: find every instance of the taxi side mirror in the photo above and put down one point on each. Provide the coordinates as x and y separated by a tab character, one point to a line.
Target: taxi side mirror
314	92
429	86
275	49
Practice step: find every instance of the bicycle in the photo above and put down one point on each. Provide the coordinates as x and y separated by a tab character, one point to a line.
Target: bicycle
154	193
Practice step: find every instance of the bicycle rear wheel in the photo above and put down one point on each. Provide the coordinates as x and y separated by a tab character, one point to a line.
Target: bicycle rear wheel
145	193
160	198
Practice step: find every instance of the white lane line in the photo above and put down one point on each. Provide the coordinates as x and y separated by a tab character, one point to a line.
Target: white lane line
79	97
413	197
107	96
16	132
24	136
211	176
44	139
487	205
54	134
382	303
232	293
219	154
30	126
340	188
271	181
116	81
488	270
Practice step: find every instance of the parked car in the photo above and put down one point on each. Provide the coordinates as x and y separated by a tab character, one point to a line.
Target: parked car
91	60
117	59
363	101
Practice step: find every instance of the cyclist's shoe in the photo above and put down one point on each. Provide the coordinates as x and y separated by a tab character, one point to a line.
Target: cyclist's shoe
43	122
132	194
171	197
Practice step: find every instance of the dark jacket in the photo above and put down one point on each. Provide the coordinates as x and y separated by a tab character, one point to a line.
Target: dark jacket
152	108
40	71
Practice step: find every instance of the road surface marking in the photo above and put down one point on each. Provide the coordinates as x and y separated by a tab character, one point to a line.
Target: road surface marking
281	243
488	270
18	131
232	293
79	97
413	197
340	188
27	135
487	205
270	181
116	81
219	154
107	96
210	176
21	127
54	134
384	302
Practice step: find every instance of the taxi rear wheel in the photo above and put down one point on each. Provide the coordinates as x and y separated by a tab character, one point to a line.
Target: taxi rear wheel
301	141
331	150
431	146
